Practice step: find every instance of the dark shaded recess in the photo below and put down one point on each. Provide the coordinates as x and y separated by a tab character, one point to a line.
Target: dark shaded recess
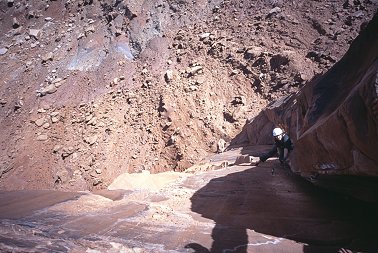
285	206
228	117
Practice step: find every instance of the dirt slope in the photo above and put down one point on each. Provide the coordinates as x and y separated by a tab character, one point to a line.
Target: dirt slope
92	89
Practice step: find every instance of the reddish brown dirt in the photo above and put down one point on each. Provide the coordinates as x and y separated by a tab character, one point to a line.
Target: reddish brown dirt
92	89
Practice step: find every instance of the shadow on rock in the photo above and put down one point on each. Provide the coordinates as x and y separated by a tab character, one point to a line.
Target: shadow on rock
284	206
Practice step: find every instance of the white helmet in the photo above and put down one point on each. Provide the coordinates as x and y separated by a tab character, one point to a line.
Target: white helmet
277	131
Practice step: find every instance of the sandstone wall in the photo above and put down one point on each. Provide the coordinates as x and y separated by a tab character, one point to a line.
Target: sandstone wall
333	119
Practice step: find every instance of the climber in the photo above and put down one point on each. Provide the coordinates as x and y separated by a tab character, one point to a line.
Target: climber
282	145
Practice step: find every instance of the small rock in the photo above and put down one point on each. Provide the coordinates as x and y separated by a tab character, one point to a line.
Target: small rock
41	110
67	152
33	45
168	76
42	137
91	139
31	14
118	32
239	100
234	72
47	57
47	90
61	176
253	53
19	103
273	11
34	33
97	181
39	122
200	80
3	51
54	119
16	24
19	31
221	146
193	88
359	14
144	71
89	29
81	35
77	173
88	118
194	70
204	36
58	82
254	160
93	121
56	148
75	155
116	80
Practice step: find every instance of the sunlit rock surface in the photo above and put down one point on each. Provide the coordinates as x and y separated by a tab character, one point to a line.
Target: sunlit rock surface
234	208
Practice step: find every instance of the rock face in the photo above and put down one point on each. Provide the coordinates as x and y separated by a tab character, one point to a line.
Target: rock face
332	120
238	207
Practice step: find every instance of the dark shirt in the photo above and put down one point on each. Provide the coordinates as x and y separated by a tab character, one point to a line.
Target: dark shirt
284	143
